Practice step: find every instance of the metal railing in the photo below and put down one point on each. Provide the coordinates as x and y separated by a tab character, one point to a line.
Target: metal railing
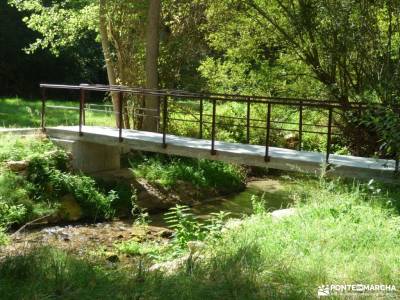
170	96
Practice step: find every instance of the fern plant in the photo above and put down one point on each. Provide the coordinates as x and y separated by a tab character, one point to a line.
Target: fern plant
186	227
216	223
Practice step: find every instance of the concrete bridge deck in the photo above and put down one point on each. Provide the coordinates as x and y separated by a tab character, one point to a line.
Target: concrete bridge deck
252	155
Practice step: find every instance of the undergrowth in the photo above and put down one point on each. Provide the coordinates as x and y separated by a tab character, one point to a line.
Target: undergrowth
340	234
168	171
38	190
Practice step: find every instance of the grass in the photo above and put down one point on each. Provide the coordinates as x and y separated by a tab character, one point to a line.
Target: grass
27	113
342	234
134	248
169	170
16	148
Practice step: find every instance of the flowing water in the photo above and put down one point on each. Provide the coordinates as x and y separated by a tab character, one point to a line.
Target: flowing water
81	238
275	193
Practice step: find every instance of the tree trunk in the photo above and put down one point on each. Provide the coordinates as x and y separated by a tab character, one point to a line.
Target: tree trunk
105	44
150	121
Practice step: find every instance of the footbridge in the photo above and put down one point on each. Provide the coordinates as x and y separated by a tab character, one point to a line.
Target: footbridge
278	139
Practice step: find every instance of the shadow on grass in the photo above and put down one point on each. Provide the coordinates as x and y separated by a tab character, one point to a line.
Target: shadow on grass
50	274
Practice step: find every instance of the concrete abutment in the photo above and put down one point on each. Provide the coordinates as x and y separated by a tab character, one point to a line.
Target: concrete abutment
91	157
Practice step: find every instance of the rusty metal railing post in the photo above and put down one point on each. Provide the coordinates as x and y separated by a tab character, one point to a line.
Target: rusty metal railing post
120	114
329	140
43	116
248	122
360	132
267	138
214	111
165	122
201	119
84	112
158	113
81	110
300	126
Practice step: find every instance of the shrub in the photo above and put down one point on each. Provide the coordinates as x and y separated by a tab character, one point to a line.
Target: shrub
258	204
11	214
139	214
94	204
3	237
19	148
166	171
386	123
14	189
49	183
186	227
46	181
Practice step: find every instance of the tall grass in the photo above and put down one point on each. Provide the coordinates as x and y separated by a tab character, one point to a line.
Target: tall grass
337	237
341	234
168	171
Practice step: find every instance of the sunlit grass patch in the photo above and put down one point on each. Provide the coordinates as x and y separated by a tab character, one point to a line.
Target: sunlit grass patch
15	112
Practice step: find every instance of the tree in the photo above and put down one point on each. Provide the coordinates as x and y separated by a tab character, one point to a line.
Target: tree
352	47
105	44
183	44
152	49
62	25
21	73
247	59
348	50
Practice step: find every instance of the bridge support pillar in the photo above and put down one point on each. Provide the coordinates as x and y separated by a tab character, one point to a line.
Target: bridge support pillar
91	157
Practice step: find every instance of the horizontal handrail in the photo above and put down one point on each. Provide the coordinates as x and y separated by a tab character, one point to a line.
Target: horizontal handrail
214	96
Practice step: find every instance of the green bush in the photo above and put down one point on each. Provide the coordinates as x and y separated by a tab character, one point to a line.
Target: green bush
3	237
11	214
386	123
185	225
49	183
93	203
188	228
167	171
47	179
14	189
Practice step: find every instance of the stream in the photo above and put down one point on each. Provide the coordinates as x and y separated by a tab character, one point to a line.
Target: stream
275	194
82	238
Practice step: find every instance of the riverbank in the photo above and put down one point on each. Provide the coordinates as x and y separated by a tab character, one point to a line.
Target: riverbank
103	237
338	233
